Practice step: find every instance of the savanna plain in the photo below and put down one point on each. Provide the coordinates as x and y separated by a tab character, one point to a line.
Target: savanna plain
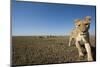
36	50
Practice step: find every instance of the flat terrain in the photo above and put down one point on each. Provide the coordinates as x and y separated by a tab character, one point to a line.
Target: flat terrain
27	50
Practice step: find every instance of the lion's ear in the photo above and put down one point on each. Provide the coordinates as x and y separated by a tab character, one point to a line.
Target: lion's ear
87	19
77	22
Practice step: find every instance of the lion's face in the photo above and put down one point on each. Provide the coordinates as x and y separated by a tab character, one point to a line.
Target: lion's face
83	25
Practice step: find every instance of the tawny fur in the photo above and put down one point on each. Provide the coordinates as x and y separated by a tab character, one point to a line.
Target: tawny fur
80	33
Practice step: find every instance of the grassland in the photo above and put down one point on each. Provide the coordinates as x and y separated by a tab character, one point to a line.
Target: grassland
27	50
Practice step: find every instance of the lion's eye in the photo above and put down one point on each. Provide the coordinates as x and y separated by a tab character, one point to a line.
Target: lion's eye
86	24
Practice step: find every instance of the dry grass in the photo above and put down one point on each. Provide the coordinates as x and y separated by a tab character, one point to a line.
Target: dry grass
27	50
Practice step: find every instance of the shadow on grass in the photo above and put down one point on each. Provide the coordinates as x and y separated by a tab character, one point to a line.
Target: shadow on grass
94	52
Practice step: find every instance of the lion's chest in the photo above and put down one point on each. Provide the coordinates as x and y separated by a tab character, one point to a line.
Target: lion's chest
81	38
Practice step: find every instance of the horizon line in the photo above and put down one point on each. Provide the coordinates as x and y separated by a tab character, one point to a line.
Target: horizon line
49	35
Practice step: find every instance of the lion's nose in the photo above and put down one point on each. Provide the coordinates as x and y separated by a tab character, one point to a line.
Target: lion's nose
84	31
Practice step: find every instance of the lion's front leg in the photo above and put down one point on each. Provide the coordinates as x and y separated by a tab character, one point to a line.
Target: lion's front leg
79	49
70	39
89	53
88	47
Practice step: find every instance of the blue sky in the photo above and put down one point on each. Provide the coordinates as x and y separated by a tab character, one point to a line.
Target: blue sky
32	18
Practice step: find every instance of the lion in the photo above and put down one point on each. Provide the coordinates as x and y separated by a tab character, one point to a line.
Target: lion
81	33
